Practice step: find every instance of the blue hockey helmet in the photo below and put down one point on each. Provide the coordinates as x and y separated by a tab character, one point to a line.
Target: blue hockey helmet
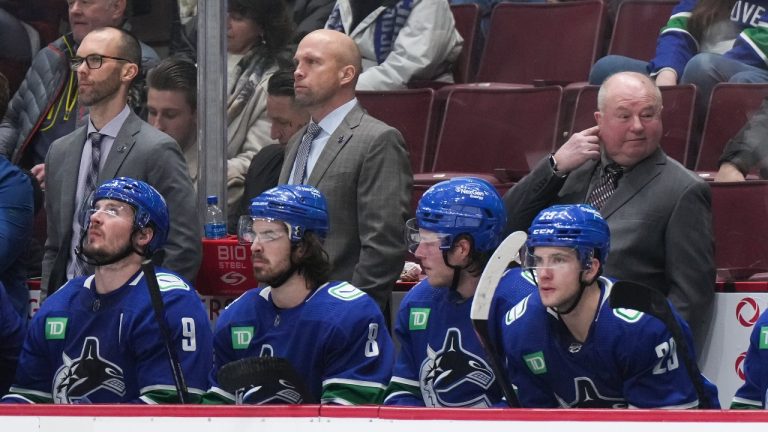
462	205
577	226
302	207
149	206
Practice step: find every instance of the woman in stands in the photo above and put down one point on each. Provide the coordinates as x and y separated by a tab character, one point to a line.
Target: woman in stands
705	26
257	34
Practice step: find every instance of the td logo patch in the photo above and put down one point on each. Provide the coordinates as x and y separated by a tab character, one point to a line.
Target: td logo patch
764	337
55	328
241	337
418	319
535	362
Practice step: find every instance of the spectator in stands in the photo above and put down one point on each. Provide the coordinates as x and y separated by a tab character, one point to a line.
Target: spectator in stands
457	227
287	118
46	106
172	106
115	142
400	41
257	32
747	150
98	340
660	215
309	15
17	50
359	163
4	94
330	333
696	26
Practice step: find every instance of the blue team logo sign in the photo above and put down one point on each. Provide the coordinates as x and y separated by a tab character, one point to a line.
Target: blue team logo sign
454	377
82	376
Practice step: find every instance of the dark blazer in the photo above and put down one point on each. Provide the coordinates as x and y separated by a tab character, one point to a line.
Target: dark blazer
141	152
660	220
365	175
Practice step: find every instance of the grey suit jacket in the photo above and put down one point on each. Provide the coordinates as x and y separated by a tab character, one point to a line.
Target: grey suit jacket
141	152
365	175
660	220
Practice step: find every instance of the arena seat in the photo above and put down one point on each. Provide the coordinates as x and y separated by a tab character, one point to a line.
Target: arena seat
637	26
677	117
467	18
410	112
740	225
730	107
551	43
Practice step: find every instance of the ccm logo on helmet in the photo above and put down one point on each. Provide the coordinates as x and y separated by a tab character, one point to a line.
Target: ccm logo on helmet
543	231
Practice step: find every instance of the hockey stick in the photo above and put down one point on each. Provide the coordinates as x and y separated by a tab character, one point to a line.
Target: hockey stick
274	377
165	332
639	297
508	251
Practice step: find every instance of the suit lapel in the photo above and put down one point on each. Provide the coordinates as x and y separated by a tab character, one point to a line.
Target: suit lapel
122	146
338	139
575	188
634	181
290	156
69	172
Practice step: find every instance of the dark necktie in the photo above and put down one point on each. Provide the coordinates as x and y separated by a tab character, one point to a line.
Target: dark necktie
609	180
91	178
302	155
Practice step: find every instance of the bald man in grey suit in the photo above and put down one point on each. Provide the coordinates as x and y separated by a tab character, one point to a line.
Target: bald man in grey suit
359	163
129	147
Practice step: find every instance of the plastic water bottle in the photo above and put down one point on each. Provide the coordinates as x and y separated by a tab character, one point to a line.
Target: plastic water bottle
215	227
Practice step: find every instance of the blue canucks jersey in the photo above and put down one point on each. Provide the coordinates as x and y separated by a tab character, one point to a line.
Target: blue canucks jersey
628	359
441	362
336	340
753	393
84	347
13	327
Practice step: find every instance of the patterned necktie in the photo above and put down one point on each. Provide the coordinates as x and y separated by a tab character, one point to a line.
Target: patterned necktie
302	155
606	186
80	267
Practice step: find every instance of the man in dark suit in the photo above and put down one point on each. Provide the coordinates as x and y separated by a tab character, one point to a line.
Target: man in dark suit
114	142
659	212
359	163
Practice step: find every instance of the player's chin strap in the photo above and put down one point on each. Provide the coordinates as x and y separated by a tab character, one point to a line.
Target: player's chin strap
127	251
280	280
582	287
456	268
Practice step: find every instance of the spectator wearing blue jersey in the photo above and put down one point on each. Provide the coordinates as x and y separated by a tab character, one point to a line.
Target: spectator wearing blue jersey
566	347
441	363
331	335
695	26
96	340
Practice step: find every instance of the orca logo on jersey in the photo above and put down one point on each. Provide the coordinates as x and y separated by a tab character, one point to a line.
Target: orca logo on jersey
586	395
453	377
77	378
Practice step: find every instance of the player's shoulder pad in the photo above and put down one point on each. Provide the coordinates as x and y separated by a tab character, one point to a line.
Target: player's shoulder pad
170	282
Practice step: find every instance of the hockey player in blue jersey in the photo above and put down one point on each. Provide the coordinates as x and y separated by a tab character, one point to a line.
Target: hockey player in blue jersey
441	363
96	339
566	347
752	395
331	333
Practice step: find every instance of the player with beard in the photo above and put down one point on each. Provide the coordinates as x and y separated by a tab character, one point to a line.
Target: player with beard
333	334
96	340
565	346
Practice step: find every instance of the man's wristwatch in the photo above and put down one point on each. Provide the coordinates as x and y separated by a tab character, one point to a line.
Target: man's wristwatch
553	164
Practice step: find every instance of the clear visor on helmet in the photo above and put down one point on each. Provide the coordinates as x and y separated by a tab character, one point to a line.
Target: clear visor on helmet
247	234
416	236
556	260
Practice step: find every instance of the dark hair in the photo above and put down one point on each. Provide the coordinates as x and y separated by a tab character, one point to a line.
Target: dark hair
272	16
4	95
281	84
175	73
477	259
314	263
706	13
